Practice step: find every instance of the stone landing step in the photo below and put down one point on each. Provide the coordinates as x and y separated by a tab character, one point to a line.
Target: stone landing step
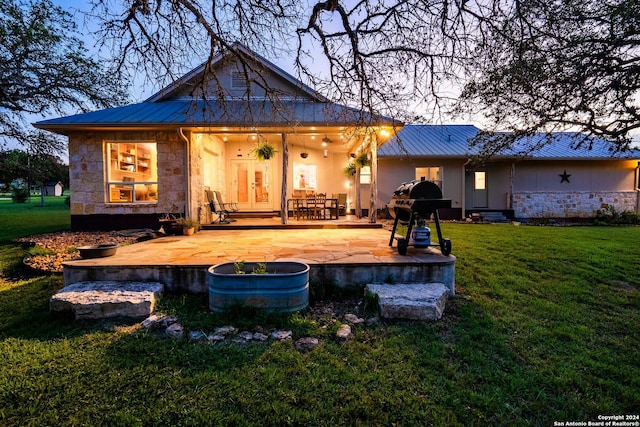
413	301
104	299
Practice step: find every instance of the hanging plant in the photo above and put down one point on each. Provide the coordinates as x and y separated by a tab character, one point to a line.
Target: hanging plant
304	154
264	150
350	169
362	160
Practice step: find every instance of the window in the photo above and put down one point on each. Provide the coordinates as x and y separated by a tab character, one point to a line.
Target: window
132	174
479	180
305	177
365	175
430	173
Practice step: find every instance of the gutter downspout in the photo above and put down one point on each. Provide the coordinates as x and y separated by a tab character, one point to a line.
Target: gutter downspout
464	186
187	206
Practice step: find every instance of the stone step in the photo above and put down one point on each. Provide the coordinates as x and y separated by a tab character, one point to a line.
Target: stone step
105	299
413	301
494	217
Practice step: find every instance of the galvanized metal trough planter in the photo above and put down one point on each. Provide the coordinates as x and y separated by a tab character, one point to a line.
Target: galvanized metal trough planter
281	287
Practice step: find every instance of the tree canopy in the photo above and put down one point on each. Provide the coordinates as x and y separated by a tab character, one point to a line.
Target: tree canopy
528	65
45	68
549	65
36	169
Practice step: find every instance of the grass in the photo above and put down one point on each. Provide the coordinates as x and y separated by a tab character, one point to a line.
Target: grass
24	219
544	328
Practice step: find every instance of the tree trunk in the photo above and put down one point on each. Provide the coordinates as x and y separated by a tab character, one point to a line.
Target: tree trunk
358	201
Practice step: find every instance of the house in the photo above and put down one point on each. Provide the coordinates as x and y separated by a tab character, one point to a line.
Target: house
131	165
554	181
53	188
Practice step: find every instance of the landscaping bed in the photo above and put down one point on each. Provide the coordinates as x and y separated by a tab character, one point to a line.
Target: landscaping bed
50	250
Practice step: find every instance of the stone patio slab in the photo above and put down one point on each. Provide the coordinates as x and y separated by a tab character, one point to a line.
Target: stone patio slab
413	301
104	299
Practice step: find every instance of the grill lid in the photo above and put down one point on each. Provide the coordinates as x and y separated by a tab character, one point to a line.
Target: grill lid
418	190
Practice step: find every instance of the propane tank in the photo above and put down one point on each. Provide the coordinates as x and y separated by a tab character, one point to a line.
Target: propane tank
421	235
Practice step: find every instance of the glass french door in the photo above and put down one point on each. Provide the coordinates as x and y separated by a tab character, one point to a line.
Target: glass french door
251	185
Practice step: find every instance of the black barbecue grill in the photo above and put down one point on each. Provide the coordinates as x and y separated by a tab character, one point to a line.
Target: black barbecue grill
413	203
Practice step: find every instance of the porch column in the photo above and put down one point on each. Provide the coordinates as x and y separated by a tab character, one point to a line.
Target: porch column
284	214
373	196
358	202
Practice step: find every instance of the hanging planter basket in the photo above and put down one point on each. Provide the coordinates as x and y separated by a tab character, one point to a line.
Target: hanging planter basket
264	151
362	160
350	169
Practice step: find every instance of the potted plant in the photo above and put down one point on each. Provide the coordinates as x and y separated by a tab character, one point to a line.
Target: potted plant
188	225
264	150
362	159
350	169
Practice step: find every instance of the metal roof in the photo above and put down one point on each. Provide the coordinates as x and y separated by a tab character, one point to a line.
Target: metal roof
238	113
240	49
567	145
452	141
430	141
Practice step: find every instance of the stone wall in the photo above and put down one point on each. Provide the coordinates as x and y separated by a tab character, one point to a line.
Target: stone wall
571	204
87	174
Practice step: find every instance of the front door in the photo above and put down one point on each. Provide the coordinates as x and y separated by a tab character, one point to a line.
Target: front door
480	195
251	185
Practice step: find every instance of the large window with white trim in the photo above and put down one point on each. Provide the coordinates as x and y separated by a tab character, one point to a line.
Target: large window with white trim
430	173
132	172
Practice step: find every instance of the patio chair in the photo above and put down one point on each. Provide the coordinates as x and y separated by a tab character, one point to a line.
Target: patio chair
317	206
342	204
228	207
216	208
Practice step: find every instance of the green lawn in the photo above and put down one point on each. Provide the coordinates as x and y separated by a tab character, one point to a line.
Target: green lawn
544	328
24	219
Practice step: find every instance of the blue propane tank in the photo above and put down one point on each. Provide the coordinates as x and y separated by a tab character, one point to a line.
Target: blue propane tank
421	236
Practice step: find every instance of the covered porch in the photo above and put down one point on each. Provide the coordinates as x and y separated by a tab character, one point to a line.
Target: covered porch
309	162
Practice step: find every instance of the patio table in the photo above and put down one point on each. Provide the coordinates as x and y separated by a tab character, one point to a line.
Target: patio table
301	206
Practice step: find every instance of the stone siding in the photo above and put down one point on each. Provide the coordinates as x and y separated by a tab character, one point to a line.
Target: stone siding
571	204
88	176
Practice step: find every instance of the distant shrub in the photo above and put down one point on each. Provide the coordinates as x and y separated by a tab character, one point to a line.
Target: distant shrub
19	191
610	216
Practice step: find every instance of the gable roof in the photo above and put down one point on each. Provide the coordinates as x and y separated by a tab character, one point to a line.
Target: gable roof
165	111
452	141
240	50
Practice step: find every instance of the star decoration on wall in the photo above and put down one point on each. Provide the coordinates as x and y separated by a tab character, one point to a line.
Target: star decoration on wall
564	177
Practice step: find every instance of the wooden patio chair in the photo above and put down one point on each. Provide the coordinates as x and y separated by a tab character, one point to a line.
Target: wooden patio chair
317	206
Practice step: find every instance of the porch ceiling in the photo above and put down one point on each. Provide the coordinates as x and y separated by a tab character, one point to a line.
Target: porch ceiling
338	139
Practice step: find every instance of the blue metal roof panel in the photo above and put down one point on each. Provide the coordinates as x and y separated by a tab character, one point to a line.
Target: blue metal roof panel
430	141
453	141
206	113
566	145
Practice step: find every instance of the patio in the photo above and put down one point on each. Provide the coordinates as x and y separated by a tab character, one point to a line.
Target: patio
342	255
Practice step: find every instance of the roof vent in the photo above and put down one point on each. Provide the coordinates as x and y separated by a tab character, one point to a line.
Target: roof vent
237	80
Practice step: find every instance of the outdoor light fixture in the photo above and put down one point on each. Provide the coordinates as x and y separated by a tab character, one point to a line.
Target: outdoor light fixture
326	153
